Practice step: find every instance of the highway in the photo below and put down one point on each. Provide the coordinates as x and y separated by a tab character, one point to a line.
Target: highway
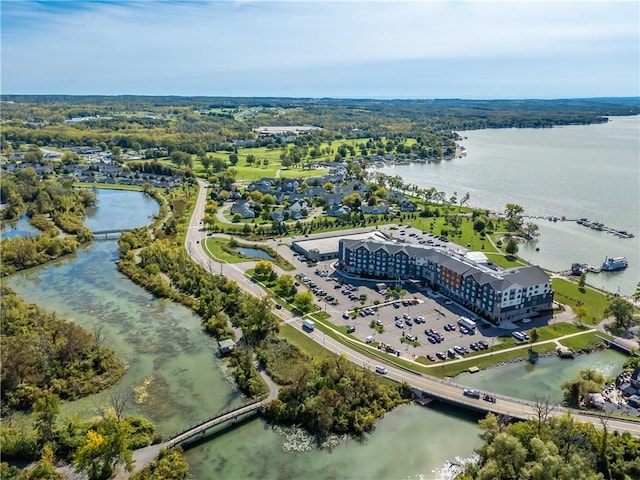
435	387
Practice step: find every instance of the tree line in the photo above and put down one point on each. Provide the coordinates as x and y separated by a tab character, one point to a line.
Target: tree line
553	447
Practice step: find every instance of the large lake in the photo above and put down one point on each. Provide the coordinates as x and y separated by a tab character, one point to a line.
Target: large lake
588	171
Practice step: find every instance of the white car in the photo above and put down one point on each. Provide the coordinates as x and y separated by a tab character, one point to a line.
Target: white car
526	320
381	370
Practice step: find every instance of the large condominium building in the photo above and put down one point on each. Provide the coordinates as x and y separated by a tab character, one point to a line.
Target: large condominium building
493	293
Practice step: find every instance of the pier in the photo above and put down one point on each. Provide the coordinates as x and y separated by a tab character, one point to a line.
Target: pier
600	227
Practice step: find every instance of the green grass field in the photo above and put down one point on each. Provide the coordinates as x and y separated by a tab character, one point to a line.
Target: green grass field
568	293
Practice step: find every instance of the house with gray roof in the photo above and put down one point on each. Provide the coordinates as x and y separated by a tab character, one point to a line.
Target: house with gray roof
338	211
381	209
244	208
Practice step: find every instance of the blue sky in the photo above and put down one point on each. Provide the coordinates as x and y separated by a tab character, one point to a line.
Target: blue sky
356	49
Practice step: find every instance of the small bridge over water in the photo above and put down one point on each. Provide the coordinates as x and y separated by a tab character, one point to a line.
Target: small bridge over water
616	345
114	231
229	416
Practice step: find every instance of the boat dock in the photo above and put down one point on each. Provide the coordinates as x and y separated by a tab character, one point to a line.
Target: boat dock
601	227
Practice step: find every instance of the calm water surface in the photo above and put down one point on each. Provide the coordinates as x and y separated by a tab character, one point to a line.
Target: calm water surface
22	228
588	171
525	380
254	253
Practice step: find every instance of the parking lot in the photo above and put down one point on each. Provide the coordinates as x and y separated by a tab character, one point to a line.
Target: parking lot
426	321
379	325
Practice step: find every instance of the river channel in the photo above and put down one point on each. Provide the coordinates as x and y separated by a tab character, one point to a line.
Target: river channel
177	379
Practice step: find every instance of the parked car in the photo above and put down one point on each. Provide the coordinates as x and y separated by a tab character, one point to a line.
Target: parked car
441	355
351	329
410	337
431	357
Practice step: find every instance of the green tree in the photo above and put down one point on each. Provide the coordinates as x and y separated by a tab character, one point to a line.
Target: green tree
103	449
534	336
46	410
506	457
512	246
304	301
285	285
69	158
582	281
586	381
621	311
233	158
513	216
581	313
353	200
263	269
636	294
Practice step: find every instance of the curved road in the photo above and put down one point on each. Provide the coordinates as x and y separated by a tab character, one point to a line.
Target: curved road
437	388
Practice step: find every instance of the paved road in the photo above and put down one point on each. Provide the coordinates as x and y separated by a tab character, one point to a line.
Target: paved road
443	389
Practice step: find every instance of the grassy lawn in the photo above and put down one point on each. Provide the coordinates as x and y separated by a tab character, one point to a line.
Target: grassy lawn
569	293
213	248
302	340
221	249
584	342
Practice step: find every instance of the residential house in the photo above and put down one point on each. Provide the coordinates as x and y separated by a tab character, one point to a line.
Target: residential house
278	215
381	209
298	209
407	206
244	208
338	211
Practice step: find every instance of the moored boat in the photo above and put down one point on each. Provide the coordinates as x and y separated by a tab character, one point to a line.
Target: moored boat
614	263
